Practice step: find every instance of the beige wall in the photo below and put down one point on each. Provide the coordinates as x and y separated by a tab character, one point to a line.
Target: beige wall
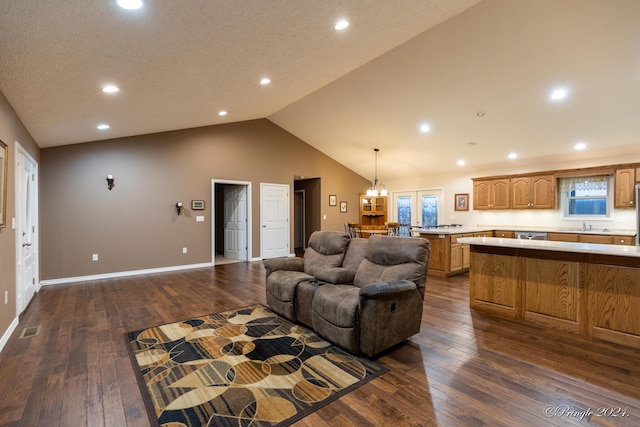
11	130
135	226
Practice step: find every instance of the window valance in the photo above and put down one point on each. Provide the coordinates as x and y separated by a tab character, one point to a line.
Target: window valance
581	183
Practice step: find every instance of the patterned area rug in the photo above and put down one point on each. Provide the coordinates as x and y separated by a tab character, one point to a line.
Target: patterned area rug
245	367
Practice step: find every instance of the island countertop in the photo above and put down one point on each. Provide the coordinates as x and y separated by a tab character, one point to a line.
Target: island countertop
546	245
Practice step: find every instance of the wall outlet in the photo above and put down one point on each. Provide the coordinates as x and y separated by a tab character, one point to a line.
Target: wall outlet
6	297
184	250
94	257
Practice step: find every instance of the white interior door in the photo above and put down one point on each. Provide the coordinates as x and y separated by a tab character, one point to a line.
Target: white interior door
274	216
26	229
235	222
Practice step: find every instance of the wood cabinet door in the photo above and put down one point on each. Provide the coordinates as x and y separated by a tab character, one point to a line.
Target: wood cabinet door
562	237
481	191
624	186
595	238
466	256
500	192
438	255
456	257
491	194
624	240
366	205
538	192
520	192
543	192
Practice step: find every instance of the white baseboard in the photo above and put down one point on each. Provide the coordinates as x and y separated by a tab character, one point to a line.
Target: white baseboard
123	274
8	332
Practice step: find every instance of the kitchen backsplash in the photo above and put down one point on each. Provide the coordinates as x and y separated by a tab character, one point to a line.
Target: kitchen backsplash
622	219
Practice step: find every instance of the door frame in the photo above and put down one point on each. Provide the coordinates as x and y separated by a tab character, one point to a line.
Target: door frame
35	245
247	184
299	217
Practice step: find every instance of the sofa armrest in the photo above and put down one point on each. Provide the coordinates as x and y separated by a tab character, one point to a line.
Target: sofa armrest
336	275
385	289
389	313
288	264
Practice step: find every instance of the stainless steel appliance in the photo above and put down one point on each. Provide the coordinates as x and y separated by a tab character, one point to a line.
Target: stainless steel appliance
531	235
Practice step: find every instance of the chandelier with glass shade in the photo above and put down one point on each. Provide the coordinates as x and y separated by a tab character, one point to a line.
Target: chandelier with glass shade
376	189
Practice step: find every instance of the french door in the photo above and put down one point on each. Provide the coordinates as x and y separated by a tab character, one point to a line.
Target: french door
417	208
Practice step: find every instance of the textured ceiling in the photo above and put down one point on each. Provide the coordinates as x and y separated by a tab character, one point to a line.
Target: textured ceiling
399	63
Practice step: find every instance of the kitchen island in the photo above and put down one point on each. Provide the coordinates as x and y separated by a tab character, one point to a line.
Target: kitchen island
590	289
448	256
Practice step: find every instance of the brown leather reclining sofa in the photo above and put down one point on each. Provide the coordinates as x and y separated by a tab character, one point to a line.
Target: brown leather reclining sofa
364	295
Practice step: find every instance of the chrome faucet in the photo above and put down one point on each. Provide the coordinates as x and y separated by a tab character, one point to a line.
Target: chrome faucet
584	226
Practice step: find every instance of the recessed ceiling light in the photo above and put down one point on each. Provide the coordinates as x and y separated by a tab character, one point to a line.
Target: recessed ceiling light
265	81
580	146
130	4
425	128
110	89
222	113
559	93
103	126
341	24
461	163
480	114
513	156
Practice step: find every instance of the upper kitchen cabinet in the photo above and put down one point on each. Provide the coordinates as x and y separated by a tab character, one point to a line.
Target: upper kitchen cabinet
539	190
491	194
533	192
624	184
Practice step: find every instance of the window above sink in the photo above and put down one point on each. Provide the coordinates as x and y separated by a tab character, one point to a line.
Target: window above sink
587	198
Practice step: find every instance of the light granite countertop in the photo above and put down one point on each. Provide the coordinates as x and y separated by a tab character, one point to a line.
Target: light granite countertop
587	248
454	230
470	229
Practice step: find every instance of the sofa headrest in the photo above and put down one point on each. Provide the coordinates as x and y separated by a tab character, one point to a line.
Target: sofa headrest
387	250
391	259
329	242
326	250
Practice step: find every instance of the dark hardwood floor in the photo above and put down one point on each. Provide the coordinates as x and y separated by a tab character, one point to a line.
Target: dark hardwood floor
463	369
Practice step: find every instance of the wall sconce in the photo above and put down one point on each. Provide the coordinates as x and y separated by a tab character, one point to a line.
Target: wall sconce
110	182
179	207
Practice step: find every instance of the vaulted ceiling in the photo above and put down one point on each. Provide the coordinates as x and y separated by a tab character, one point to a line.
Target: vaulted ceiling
478	73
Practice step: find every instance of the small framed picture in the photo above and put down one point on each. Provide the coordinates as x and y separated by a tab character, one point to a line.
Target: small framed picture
462	202
343	207
333	200
197	205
